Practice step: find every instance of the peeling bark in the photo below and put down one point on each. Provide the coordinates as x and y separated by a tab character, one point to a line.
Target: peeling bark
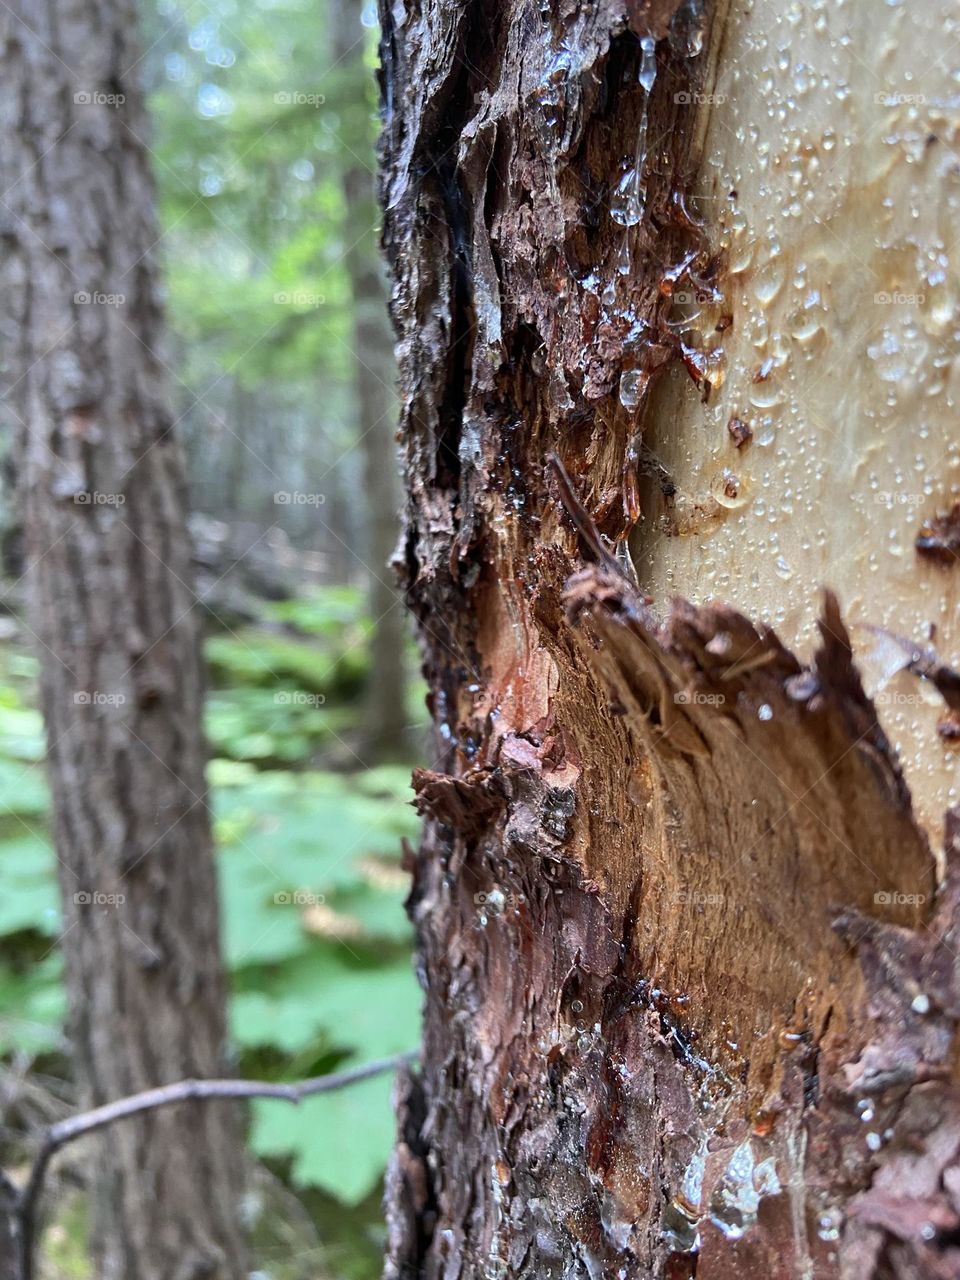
689	994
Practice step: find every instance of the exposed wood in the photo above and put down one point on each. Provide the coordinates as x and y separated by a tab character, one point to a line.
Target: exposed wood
690	1007
829	182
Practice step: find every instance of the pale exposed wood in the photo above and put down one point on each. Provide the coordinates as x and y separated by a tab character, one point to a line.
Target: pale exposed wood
830	176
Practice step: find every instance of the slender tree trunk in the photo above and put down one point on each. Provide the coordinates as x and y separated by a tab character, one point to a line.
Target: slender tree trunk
691	984
113	615
9	1253
373	378
245	418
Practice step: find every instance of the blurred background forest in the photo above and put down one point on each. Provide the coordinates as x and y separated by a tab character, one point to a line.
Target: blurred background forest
264	126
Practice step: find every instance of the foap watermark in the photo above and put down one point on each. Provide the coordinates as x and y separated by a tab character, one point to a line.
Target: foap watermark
691	98
891	698
298	698
697	898
888	498
296	498
94	898
298	298
689	297
296	98
298	898
900	99
893	898
93	498
691	697
97	698
84	298
899	299
495	901
94	98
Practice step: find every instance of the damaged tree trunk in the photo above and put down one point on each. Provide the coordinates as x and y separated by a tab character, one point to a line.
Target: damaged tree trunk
669	280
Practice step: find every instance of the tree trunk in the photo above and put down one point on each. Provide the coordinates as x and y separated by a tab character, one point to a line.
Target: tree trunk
385	712
102	491
9	1250
691	988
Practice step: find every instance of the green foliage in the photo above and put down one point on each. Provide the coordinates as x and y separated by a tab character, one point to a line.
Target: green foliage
284	835
284	692
277	660
349	1132
315	937
258	122
32	1006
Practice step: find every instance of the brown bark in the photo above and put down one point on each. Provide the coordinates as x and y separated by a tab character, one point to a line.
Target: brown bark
385	711
102	492
690	986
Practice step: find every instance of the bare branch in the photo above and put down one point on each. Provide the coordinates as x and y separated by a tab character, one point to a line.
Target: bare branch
65	1131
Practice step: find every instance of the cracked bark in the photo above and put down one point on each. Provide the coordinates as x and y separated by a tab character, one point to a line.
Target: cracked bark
687	949
102	492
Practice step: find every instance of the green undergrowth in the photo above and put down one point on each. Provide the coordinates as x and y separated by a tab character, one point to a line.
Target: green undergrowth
314	934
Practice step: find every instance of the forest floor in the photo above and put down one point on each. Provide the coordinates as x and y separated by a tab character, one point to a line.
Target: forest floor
315	937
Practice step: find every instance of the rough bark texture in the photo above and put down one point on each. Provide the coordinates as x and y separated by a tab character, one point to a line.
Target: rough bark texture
375	404
690	988
114	618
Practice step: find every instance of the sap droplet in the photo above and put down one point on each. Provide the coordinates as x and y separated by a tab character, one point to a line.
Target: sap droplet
496	901
729	490
828	1224
626	205
768	283
734	1204
687	28
648	63
766	395
631	385
679	1230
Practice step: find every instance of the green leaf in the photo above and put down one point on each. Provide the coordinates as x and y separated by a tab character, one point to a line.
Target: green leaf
380	911
339	1141
23	789
29	899
32	1007
21	732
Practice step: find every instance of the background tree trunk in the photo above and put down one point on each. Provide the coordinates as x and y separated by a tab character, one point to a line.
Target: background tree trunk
113	614
691	989
371	343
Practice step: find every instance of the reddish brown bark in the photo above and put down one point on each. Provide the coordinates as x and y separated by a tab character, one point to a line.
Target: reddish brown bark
690	999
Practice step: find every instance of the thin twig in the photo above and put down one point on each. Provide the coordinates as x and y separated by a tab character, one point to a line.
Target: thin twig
63	1131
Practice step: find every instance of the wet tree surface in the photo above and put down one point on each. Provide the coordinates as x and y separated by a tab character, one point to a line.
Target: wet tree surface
103	508
688	952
